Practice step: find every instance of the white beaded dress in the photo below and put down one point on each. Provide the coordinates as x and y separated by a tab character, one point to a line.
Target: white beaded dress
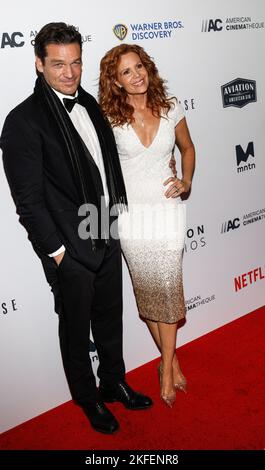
152	231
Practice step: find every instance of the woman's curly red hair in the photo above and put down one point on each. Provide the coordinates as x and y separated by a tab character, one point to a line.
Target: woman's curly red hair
113	100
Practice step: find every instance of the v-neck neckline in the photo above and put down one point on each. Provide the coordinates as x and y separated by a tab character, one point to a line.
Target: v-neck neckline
156	134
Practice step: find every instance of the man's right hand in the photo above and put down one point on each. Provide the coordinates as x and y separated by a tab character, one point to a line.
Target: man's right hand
58	258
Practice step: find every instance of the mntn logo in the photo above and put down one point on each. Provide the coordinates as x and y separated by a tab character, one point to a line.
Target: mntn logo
11	40
242	156
120	31
230	225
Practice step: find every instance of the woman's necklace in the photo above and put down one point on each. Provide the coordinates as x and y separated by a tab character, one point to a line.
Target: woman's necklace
139	118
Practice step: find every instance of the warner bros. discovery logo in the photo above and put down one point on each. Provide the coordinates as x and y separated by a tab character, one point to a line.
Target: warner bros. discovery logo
120	30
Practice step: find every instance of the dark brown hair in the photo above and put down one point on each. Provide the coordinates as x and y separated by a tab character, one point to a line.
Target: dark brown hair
55	33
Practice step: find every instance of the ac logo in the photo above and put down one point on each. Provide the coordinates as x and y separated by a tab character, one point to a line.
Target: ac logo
12	40
211	25
230	225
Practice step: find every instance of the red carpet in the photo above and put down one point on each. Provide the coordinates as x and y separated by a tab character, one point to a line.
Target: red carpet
224	408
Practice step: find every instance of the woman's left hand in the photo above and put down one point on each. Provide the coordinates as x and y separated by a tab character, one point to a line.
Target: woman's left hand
172	165
177	187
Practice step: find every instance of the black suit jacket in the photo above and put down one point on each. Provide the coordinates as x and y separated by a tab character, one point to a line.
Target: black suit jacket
42	181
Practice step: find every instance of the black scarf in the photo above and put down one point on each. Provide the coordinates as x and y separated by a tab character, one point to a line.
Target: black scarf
90	188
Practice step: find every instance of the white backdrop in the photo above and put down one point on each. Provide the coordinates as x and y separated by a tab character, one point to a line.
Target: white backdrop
199	46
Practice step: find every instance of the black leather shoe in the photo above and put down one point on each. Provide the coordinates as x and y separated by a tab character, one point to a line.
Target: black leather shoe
123	393
101	419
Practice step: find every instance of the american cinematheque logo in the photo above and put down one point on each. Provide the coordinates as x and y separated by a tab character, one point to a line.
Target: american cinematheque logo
236	23
152	30
18	39
252	217
85	38
199	301
239	93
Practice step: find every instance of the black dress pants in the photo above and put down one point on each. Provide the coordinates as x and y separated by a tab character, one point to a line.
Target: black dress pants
91	299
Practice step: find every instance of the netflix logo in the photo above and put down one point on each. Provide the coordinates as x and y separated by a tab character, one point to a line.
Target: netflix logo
248	278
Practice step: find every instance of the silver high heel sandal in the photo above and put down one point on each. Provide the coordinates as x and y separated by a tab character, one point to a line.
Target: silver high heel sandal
170	398
181	385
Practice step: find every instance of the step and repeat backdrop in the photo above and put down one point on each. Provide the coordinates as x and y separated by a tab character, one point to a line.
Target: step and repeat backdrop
212	55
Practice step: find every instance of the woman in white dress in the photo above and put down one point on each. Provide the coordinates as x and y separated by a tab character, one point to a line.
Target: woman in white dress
147	125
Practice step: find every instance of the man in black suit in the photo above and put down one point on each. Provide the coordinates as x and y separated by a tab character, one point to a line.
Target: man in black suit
59	154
